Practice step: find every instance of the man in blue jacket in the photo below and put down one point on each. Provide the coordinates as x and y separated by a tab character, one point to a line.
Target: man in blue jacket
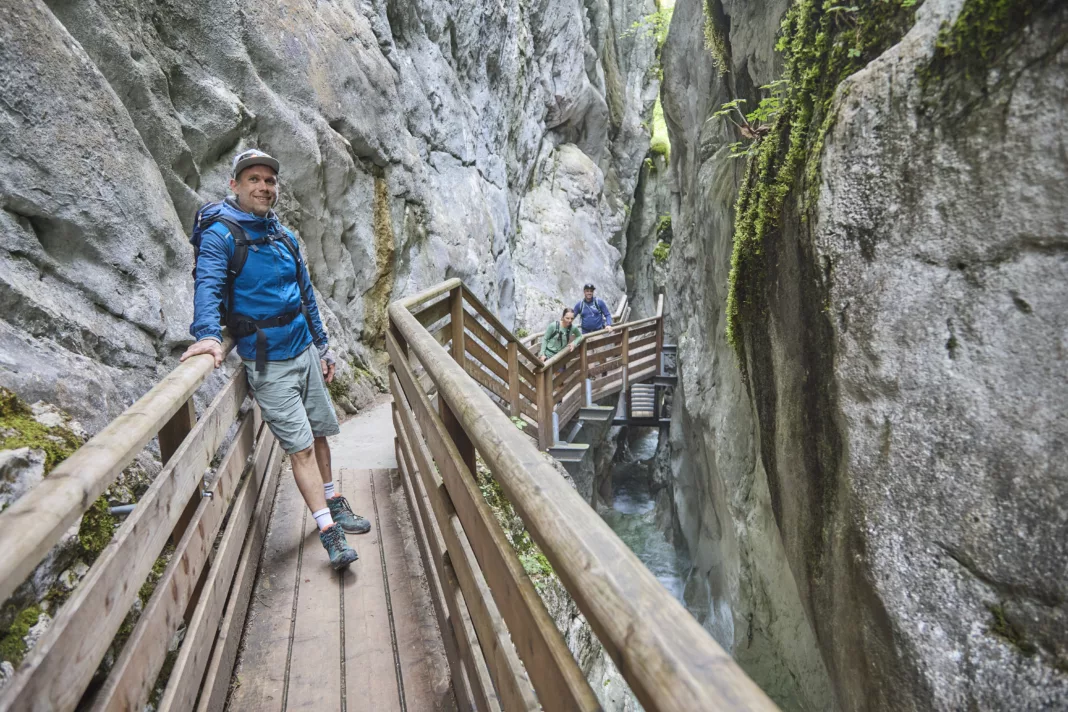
592	313
271	310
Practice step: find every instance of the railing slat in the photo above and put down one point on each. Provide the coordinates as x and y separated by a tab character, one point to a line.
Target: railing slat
483	357
558	680
188	670
131	679
454	619
501	655
482	334
60	666
434	313
670	662
493	321
37	520
216	682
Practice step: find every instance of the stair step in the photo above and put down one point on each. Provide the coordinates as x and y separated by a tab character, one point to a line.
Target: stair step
665	380
596	413
670	348
569	452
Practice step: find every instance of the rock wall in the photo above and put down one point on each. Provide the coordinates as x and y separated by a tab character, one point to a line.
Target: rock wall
496	142
870	478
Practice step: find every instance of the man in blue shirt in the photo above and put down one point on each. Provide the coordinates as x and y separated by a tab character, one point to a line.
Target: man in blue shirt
271	311
592	313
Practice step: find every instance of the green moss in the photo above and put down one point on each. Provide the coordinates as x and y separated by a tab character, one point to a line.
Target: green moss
822	43
522	333
659	143
534	562
661	252
12	646
716	39
980	36
96	529
160	565
1002	627
19	429
338	387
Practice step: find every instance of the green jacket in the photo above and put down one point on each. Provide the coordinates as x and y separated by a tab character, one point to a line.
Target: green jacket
556	338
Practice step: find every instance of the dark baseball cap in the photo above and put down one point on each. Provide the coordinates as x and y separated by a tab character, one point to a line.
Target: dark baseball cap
252	157
588	286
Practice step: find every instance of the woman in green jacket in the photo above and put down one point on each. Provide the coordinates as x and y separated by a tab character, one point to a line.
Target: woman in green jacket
560	335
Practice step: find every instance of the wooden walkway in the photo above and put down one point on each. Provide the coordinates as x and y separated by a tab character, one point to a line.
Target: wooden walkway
363	640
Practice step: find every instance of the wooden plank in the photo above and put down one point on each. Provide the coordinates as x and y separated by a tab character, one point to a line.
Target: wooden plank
443	335
405	590
262	668
616	364
459	680
529	393
490	362
370	670
174	430
668	659
428	294
493	635
193	656
556	676
461	628
218	675
134	674
490	341
39	519
433	313
545	409
60	666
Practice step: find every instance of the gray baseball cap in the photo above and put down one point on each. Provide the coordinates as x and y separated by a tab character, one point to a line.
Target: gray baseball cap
252	157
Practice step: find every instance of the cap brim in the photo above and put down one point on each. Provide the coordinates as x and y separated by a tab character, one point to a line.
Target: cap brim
255	161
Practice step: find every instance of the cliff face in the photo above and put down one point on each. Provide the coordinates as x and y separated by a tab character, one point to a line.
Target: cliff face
871	476
496	142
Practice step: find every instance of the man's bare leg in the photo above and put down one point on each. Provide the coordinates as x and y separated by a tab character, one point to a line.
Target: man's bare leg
322	458
307	474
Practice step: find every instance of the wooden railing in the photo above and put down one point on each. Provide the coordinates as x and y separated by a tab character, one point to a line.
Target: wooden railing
207	582
503	649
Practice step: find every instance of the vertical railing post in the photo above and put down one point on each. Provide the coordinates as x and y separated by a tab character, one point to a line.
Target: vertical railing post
660	335
457	303
513	378
545	409
171	436
452	423
625	358
585	361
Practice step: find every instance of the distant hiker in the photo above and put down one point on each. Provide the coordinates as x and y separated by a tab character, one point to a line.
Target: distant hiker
560	335
250	276
593	313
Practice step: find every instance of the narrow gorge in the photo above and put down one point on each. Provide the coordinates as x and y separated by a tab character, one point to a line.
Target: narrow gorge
856	217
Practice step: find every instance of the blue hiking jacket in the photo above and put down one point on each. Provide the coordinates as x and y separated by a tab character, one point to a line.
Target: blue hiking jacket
593	315
266	287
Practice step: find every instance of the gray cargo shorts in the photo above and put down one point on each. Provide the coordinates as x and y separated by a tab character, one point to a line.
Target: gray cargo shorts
293	399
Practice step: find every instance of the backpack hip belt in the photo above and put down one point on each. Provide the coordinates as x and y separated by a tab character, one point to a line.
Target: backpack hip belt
242	325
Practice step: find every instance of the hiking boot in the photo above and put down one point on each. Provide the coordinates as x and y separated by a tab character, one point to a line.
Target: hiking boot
343	515
341	554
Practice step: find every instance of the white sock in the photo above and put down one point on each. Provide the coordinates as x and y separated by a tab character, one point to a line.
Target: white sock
328	489
323	518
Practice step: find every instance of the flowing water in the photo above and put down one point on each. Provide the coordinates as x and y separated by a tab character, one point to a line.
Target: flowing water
632	516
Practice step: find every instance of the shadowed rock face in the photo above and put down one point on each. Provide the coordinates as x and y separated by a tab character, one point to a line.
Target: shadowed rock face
418	141
878	515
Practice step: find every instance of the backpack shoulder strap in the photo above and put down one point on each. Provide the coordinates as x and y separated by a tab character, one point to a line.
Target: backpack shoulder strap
294	250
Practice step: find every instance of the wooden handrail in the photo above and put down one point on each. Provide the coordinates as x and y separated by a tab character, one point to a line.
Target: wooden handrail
59	668
32	525
668	659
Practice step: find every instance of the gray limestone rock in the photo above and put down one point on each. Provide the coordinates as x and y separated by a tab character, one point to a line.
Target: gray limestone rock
878	514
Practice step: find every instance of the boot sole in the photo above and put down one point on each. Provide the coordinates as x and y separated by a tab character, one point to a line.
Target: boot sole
343	563
356	531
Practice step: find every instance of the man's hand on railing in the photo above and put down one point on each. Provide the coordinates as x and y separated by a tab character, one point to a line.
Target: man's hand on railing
205	346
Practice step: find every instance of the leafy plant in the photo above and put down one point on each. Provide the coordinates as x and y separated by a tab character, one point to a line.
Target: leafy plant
661	252
757	123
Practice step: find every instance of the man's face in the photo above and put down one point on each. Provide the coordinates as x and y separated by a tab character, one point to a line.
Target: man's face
568	318
589	294
256	189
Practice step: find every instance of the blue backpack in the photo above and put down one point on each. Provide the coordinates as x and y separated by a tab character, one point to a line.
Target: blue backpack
206	216
598	303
